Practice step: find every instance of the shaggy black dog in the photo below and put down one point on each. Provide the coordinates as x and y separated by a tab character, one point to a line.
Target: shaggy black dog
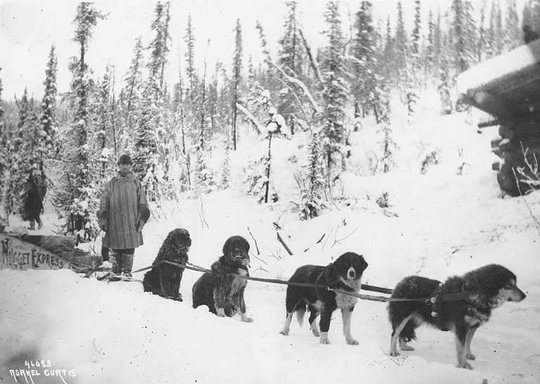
344	274
222	290
461	304
164	279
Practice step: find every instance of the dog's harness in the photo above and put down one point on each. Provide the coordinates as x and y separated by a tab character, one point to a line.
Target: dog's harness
437	298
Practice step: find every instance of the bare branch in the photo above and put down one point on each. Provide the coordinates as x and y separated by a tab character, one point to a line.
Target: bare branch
258	127
312	61
301	85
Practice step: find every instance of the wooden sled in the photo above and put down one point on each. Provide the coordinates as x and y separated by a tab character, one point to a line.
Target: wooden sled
18	253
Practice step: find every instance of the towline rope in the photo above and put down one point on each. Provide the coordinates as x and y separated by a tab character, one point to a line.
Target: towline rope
366	287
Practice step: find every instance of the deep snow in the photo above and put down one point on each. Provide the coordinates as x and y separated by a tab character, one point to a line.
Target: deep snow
438	224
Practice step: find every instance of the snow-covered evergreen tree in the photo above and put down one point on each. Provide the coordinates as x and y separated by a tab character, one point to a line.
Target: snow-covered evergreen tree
150	160
130	99
388	145
464	35
104	136
364	62
225	182
76	199
335	93
512	35
312	192
415	72
4	146
191	71
48	108
291	59
236	80
401	49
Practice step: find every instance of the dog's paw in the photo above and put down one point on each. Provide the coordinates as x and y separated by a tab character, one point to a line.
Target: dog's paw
394	353
470	356
352	342
465	365
324	338
247	319
220	312
315	332
284	332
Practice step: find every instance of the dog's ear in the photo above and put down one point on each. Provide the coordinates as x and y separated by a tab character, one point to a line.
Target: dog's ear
227	247
245	243
361	263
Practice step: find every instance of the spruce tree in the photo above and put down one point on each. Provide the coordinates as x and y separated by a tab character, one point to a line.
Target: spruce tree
191	72
4	151
364	63
464	35
76	200
48	108
413	79
512	36
150	161
104	140
312	193
400	45
388	145
335	92
495	33
236	80
131	98
291	59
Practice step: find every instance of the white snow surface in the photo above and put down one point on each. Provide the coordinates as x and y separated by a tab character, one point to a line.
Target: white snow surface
438	224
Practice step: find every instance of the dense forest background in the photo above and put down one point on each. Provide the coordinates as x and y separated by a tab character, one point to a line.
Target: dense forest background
171	130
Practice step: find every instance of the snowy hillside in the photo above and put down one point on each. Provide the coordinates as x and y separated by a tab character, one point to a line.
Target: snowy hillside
444	222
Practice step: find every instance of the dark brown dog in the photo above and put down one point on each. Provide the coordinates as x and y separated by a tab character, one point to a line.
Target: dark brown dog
484	289
164	279
220	289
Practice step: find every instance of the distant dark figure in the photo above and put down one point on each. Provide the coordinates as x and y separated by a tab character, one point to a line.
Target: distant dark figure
34	192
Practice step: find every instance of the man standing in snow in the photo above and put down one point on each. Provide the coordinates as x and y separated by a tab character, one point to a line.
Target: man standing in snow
123	212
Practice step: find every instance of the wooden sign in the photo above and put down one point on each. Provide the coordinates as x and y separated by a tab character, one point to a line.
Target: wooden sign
18	254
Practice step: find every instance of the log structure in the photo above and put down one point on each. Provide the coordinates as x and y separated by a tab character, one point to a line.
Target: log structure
508	88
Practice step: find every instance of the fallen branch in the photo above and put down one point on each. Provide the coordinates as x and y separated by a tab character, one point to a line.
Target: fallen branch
312	61
258	127
255	241
280	239
317	242
301	85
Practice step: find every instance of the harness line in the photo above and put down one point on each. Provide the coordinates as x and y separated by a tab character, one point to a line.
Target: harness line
366	287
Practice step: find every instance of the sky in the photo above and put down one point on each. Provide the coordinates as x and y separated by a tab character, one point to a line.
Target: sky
28	29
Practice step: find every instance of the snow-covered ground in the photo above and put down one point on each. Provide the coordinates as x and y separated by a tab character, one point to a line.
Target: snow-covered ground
438	224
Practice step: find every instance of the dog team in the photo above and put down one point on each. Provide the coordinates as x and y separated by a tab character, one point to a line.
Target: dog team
461	304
